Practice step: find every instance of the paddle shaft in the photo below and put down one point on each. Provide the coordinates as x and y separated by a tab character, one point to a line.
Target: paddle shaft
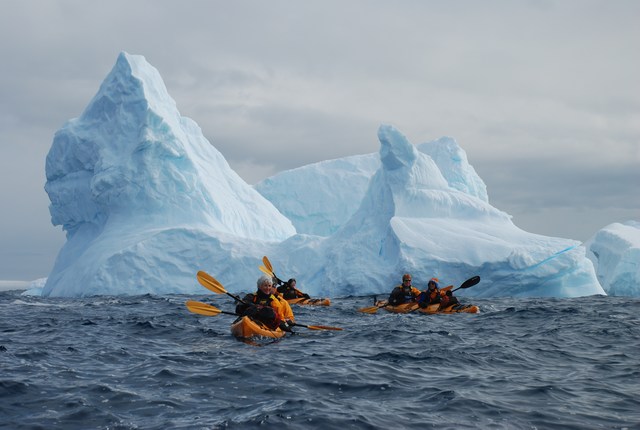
236	298
269	267
301	325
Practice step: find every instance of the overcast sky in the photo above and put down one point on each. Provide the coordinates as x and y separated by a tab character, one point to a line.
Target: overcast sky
544	96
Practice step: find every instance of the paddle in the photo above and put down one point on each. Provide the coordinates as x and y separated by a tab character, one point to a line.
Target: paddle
319	327
372	309
205	309
211	283
468	283
268	269
211	311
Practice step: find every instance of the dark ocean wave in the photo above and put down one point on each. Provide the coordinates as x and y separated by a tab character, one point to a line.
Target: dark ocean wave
145	362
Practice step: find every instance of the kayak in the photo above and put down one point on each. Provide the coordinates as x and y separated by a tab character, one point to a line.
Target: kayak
399	309
313	302
431	309
246	328
453	309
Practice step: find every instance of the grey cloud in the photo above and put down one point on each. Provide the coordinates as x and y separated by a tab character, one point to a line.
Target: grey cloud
539	93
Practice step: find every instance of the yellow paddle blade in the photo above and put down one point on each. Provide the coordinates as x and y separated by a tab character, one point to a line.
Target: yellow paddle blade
267	263
369	310
202	308
210	283
266	271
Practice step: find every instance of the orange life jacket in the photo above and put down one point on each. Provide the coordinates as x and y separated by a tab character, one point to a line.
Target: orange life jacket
276	304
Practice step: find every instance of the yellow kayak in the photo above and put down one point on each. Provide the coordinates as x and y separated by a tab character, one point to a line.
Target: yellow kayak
313	302
430	309
399	309
453	309
246	328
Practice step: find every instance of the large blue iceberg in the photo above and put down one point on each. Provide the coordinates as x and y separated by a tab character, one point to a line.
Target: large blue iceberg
146	201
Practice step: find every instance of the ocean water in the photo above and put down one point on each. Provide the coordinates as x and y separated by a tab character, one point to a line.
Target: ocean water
145	362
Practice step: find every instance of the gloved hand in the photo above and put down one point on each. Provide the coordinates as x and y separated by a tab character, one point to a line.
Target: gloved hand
284	326
245	309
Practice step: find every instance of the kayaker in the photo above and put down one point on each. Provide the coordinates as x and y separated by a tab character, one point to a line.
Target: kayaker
265	307
448	300
403	293
287	312
289	291
431	295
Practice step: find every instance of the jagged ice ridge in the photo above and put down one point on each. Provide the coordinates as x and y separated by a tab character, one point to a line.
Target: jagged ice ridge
146	201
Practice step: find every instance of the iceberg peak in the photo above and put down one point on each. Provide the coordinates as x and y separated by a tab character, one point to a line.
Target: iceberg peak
395	149
129	175
132	83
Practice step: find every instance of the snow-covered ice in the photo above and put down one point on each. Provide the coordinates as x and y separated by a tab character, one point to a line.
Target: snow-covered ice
615	253
147	201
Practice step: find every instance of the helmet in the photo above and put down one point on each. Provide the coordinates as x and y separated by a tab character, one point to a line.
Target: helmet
406	277
433	281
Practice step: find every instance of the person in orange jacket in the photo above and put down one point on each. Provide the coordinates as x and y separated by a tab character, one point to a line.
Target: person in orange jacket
266	307
287	312
404	293
431	295
448	299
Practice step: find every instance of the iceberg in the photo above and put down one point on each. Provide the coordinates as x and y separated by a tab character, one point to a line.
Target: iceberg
143	196
615	253
325	207
146	201
413	219
337	187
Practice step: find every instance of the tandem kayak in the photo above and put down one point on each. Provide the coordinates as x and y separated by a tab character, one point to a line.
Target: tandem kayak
431	309
453	309
404	308
246	328
313	302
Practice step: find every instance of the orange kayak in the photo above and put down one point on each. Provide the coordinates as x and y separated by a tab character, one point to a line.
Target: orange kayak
399	309
431	309
246	328
453	309
313	302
